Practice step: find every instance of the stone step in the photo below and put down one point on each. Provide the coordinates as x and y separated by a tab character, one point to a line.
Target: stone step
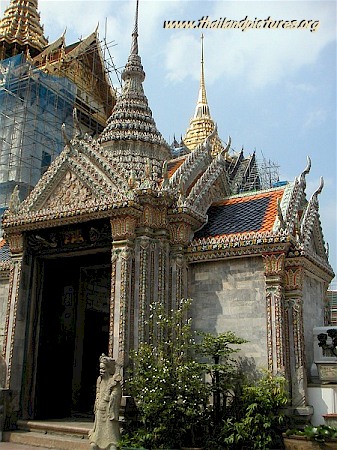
55	434
66	426
48	440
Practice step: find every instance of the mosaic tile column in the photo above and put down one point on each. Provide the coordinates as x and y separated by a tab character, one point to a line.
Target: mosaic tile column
122	263
151	281
276	340
151	266
143	298
294	316
179	235
16	247
163	270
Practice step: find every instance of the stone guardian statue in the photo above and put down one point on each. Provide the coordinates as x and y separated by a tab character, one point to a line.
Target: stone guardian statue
106	431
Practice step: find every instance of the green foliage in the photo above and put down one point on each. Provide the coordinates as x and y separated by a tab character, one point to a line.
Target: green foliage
219	347
259	416
168	384
172	391
321	433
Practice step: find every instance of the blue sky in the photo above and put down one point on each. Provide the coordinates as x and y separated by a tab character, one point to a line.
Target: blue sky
272	90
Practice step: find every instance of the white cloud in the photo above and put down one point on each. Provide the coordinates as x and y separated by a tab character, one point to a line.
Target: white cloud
259	57
314	118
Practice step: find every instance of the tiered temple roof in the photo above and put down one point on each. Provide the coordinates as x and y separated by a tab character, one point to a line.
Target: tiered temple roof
131	123
82	62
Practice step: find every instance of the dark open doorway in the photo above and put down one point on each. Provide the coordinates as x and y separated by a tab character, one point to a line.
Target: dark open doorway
73	333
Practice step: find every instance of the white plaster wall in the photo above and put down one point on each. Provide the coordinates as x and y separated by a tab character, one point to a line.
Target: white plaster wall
323	398
230	296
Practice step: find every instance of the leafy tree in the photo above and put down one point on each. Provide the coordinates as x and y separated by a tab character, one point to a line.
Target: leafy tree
222	369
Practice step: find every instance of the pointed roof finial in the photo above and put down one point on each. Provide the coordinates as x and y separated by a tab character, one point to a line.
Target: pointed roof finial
202	124
202	108
134	45
202	75
134	66
131	118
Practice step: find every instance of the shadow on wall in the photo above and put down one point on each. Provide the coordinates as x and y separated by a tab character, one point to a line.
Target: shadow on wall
206	307
247	366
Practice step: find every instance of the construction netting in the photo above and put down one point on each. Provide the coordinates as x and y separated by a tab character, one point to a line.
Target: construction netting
33	107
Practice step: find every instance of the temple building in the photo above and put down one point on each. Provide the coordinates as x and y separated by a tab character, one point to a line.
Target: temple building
124	222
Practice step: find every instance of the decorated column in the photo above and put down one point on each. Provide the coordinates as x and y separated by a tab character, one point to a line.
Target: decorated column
122	260
294	317
179	234
15	242
151	262
143	297
276	342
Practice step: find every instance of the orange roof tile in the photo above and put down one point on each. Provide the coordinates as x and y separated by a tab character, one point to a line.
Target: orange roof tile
174	165
242	214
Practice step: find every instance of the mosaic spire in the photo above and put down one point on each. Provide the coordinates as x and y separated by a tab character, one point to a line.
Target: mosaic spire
20	29
201	124
132	118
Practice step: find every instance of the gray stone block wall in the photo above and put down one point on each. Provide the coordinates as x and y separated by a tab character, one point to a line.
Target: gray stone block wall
230	296
313	315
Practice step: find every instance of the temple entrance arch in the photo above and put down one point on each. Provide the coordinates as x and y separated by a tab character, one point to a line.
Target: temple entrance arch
73	332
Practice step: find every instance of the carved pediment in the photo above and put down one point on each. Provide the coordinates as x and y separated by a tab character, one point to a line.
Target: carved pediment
69	191
80	181
313	240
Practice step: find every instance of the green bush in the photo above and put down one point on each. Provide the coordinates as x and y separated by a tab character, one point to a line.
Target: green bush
168	384
258	419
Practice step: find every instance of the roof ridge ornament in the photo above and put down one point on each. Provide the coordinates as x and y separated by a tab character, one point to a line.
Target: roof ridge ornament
318	190
305	172
311	216
280	215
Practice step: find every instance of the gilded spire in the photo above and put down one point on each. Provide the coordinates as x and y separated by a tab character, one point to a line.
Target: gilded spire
132	118
202	108
201	124
20	29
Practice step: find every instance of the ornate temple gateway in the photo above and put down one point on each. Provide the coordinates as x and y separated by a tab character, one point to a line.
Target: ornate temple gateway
117	223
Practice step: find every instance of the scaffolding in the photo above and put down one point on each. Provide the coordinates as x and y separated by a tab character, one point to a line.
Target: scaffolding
33	107
269	174
243	173
37	97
